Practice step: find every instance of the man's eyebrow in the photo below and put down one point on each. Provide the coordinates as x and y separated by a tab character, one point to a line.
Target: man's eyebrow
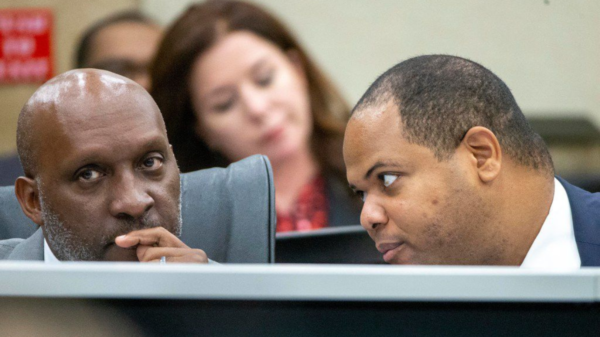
155	142
378	165
95	156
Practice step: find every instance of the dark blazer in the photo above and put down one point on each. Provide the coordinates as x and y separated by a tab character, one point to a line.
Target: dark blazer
31	249
585	210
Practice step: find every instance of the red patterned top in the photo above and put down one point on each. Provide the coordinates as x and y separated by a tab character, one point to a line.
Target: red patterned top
310	211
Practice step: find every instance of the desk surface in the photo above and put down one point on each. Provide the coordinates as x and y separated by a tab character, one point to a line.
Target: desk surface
297	282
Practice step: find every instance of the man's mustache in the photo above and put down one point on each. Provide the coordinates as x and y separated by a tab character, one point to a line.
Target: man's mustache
128	225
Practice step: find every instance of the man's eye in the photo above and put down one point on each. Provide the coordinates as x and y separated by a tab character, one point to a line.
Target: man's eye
389	179
89	175
152	163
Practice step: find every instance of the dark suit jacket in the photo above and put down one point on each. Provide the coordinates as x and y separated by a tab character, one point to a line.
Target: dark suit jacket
585	210
31	249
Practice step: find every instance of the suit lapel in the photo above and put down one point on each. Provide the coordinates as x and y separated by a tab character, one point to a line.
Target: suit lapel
30	249
585	211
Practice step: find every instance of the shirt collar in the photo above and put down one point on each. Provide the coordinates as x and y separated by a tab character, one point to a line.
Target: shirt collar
555	246
48	255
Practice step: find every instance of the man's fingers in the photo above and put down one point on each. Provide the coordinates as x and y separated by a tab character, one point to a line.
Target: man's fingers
147	253
154	243
157	236
125	241
179	255
193	258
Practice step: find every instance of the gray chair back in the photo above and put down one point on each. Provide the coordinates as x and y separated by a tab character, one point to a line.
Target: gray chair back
227	212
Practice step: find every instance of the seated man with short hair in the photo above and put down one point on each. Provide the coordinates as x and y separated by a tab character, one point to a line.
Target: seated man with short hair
101	179
450	172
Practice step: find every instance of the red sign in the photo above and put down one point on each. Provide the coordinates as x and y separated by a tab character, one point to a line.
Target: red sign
25	45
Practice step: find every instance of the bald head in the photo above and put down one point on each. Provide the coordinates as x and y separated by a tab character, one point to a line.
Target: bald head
63	103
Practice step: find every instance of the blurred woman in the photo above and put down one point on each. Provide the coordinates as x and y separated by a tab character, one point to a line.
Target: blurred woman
231	81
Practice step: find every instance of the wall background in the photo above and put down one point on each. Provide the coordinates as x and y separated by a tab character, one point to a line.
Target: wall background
547	51
70	19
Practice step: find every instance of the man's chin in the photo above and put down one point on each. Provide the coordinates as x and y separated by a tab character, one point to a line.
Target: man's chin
115	253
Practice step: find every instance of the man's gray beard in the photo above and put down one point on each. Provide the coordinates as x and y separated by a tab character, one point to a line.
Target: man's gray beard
68	247
65	245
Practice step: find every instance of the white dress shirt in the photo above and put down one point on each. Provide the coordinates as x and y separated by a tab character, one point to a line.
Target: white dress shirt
48	255
555	247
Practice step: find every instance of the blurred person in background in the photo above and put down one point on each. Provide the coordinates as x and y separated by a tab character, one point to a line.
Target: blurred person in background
123	43
231	81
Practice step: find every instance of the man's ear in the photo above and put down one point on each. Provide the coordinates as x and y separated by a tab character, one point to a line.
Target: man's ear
485	151
27	193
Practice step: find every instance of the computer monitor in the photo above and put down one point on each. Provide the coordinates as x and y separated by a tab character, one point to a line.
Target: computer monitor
336	245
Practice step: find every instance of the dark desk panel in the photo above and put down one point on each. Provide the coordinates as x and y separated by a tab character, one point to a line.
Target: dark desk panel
337	245
325	300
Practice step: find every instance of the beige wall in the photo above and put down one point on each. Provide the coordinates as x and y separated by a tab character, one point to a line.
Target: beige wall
70	19
548	52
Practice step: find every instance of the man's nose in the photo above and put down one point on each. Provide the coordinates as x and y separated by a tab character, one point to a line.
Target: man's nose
130	198
373	215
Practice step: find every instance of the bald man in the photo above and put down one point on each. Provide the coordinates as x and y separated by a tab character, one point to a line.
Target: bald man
101	179
450	172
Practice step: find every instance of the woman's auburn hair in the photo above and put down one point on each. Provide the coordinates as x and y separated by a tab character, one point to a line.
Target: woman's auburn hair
192	34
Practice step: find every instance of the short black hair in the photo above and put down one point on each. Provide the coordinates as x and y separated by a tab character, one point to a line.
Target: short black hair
441	97
87	38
